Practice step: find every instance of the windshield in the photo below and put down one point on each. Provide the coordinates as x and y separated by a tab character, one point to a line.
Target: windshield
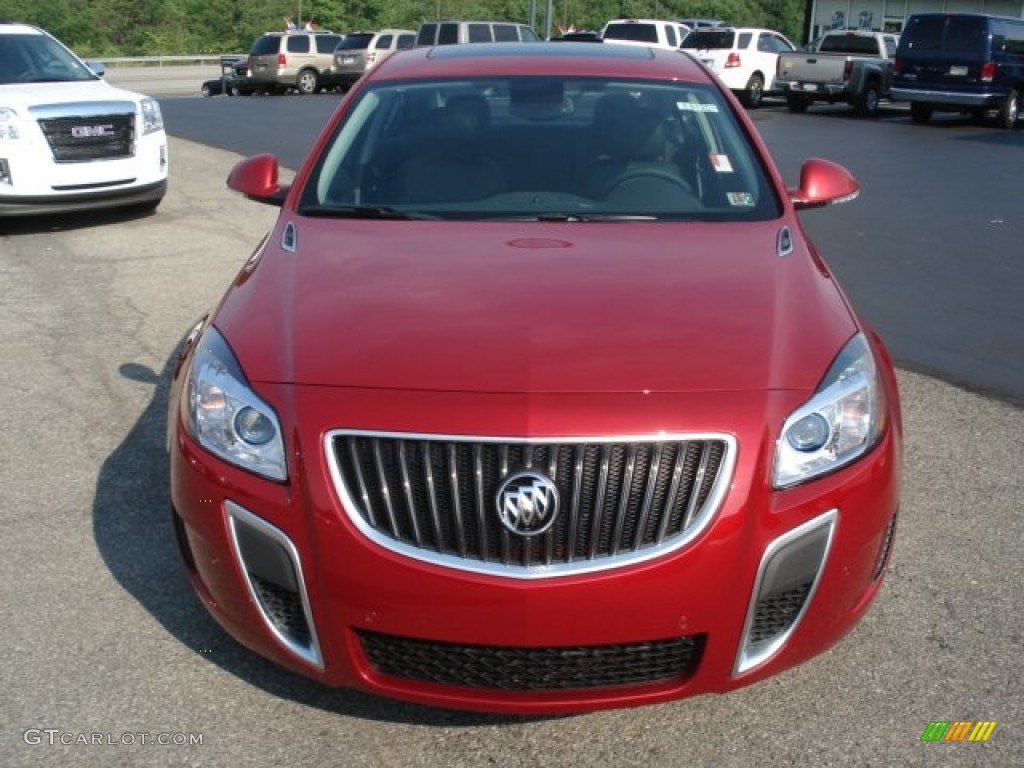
38	59
543	148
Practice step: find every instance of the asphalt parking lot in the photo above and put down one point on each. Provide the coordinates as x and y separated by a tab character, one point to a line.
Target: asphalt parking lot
104	642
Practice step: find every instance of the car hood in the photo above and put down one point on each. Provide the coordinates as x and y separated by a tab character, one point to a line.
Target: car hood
31	95
536	307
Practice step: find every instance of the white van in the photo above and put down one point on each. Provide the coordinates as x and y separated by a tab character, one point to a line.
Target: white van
454	32
69	140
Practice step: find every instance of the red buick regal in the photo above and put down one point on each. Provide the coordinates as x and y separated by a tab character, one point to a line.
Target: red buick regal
536	398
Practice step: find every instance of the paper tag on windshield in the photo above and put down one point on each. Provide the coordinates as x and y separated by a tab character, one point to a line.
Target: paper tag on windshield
721	163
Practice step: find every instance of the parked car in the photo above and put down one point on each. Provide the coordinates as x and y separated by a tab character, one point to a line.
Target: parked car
232	82
454	31
961	63
301	61
648	32
854	67
744	58
70	141
536	398
579	36
360	51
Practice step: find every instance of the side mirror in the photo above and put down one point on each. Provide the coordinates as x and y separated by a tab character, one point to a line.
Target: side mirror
256	178
96	67
823	183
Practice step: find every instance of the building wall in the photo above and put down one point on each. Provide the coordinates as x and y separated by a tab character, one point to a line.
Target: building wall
889	15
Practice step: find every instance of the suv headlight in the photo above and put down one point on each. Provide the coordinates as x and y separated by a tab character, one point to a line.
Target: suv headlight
226	416
152	117
841	422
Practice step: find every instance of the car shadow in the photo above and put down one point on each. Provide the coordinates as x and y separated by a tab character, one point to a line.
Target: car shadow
64	222
134	535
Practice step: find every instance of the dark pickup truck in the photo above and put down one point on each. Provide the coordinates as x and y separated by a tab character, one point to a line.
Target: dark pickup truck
852	67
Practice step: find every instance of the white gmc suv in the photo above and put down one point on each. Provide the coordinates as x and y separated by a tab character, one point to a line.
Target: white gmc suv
69	140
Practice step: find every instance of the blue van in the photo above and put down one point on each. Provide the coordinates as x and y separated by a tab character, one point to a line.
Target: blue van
961	62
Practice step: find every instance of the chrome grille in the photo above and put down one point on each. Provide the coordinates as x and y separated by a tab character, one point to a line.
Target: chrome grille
92	137
621	500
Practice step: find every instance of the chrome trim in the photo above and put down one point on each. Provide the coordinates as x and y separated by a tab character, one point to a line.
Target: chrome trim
290	238
747	658
542	570
784	242
234	512
938	98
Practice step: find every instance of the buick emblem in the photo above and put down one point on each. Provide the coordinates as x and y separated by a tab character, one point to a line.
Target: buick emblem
527	503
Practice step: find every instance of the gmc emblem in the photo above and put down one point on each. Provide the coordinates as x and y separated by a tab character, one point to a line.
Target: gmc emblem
90	131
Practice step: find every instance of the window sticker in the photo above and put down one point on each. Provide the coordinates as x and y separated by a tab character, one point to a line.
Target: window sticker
690	106
741	199
720	163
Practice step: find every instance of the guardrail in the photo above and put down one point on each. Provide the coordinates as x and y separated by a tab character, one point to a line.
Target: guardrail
165	61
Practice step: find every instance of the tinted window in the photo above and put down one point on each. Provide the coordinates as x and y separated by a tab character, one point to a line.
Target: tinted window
924	33
855	44
355	41
406	41
707	40
265	45
327	43
448	34
478	33
966	34
670	34
637	33
426	34
297	44
384	42
505	33
527	35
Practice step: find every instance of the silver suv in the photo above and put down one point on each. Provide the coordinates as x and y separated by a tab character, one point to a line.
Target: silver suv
359	52
281	61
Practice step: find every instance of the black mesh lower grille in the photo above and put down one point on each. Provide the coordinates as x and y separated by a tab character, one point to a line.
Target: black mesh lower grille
283	608
81	139
533	669
776	613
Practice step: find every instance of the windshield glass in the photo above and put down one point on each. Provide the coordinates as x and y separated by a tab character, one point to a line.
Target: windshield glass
540	147
38	59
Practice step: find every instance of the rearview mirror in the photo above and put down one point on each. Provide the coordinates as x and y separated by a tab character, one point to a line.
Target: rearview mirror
823	183
256	178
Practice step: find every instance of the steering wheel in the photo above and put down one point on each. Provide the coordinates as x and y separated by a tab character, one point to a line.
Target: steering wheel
647	181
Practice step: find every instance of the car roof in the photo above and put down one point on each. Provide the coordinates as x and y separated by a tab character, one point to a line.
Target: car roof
15	28
563	58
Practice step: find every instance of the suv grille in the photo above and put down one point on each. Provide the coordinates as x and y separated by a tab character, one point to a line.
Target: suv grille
435	498
96	137
512	668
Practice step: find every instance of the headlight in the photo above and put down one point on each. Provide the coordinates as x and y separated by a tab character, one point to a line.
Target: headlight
226	416
8	124
841	422
152	117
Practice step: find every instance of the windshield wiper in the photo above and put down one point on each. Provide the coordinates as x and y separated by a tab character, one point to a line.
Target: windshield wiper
593	217
362	212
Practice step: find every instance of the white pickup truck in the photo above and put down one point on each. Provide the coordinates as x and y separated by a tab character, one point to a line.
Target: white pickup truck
847	66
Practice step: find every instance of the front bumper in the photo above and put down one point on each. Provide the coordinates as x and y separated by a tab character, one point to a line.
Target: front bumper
775	578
